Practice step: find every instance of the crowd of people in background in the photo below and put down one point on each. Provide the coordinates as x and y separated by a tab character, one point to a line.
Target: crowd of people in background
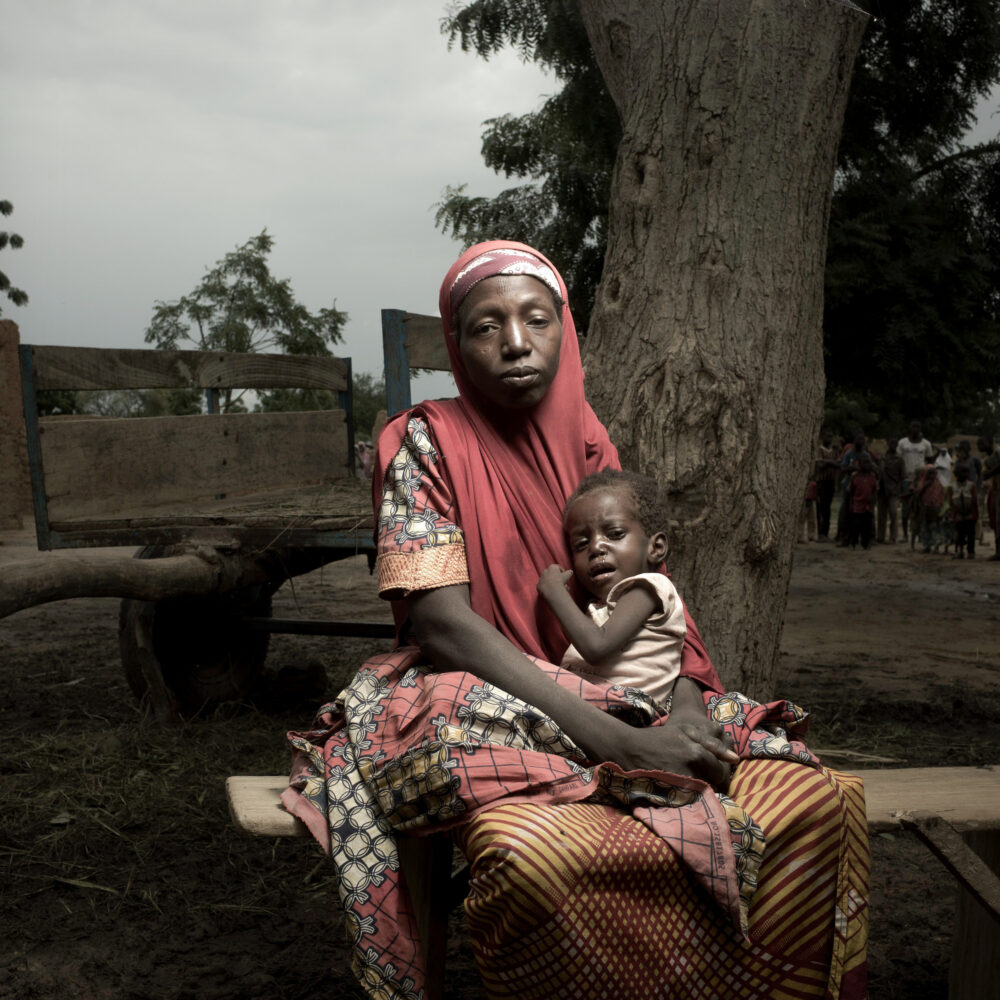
937	498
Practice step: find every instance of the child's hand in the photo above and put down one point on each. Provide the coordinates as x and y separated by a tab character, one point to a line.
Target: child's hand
553	580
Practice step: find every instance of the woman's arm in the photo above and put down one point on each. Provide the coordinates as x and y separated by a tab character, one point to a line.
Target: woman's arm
454	637
596	643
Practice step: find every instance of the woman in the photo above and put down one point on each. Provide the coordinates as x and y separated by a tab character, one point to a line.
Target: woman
585	880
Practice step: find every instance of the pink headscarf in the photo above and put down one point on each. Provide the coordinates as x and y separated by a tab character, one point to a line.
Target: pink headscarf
511	471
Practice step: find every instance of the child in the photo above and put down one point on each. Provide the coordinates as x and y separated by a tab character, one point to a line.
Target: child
633	631
930	498
862	490
963	501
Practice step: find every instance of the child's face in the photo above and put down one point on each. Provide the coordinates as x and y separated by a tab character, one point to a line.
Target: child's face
608	541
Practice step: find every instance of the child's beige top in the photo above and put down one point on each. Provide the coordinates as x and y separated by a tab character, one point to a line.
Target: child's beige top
651	661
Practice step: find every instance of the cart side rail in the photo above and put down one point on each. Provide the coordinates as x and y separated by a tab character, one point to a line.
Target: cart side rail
92	467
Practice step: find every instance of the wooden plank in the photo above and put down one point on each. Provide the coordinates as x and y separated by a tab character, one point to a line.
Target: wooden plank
107	464
967	797
256	809
342	504
294	534
947	845
426	864
336	515
425	344
975	956
110	368
953	790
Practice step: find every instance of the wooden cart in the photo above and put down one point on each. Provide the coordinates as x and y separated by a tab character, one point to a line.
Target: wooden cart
223	507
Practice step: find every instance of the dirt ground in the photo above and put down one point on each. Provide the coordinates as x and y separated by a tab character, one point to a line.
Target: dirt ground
123	878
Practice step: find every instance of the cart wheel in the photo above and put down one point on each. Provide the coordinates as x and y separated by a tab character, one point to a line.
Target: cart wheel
187	654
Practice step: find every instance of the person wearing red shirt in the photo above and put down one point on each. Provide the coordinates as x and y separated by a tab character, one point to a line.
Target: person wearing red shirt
862	492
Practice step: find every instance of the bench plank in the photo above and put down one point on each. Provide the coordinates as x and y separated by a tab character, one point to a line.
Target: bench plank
967	797
255	805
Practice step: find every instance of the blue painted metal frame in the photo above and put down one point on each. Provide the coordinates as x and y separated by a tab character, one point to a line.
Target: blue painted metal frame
397	363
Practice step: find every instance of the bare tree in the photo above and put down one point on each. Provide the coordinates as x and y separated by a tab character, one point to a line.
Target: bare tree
704	354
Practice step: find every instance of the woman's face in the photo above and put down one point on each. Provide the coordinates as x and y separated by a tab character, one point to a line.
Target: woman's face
509	336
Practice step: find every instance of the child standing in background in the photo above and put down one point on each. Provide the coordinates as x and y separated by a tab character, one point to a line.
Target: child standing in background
930	498
963	501
862	490
633	631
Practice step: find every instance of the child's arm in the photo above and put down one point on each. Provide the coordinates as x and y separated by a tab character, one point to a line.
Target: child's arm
594	642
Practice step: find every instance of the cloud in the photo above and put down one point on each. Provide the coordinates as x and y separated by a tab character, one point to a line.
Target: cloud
144	140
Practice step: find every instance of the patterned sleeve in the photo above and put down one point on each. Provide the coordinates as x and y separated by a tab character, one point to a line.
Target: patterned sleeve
420	546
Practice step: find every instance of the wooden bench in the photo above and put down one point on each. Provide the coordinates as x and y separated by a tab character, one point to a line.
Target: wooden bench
954	810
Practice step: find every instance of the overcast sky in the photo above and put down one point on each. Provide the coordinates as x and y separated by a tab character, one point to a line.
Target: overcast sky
140	141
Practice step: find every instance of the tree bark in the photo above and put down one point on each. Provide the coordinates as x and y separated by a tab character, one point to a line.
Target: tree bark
704	355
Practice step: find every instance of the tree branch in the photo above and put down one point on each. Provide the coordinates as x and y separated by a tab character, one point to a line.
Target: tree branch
970	153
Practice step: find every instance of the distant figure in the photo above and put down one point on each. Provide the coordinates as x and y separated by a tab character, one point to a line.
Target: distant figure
943	463
914	450
929	497
862	490
963	506
991	474
849	462
365	454
975	465
891	486
825	474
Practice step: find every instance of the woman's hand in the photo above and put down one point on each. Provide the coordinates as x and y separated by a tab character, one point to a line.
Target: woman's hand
688	743
684	747
553	581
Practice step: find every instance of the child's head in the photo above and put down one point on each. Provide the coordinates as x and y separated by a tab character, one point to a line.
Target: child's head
865	462
613	522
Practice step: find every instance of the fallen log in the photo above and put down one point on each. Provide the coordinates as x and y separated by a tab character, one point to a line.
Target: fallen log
201	571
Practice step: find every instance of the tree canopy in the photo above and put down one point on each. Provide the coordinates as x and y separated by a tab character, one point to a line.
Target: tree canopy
240	307
912	318
15	242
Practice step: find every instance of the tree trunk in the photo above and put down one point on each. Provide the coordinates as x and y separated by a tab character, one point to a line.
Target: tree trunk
705	354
